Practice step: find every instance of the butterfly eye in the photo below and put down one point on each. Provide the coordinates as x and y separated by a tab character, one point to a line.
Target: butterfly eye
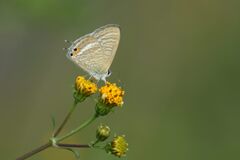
75	49
71	54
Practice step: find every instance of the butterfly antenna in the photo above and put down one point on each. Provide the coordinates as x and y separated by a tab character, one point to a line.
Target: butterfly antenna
67	41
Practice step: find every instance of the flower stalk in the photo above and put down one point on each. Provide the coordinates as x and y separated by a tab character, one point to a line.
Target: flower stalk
90	120
74	145
35	151
66	119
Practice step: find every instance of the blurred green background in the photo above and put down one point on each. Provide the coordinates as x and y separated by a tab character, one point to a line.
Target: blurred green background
178	61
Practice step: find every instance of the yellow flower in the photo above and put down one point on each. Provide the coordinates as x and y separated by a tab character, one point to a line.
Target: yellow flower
111	94
103	132
84	88
118	146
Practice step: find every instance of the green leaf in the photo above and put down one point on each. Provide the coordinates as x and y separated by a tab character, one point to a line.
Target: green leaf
53	122
76	153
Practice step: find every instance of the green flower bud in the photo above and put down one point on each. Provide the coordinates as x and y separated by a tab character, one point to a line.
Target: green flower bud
103	132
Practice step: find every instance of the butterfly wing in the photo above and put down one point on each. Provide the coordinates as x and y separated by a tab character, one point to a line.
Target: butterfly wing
108	37
89	54
96	50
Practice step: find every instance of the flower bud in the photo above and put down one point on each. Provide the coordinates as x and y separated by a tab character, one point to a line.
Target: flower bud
118	146
103	132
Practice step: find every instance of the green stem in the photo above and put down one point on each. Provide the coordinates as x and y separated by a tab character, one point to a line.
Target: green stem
74	145
95	142
66	119
35	151
90	120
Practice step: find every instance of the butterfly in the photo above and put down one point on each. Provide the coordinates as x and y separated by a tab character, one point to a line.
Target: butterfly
95	51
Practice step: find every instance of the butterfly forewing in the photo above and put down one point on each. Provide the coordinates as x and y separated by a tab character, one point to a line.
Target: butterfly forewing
89	55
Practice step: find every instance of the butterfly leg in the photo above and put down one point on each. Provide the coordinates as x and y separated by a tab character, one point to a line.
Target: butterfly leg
104	80
90	77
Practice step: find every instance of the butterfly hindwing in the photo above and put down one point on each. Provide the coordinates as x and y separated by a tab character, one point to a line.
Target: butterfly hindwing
108	37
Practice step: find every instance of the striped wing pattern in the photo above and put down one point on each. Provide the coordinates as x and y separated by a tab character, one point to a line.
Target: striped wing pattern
90	55
108	37
98	49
